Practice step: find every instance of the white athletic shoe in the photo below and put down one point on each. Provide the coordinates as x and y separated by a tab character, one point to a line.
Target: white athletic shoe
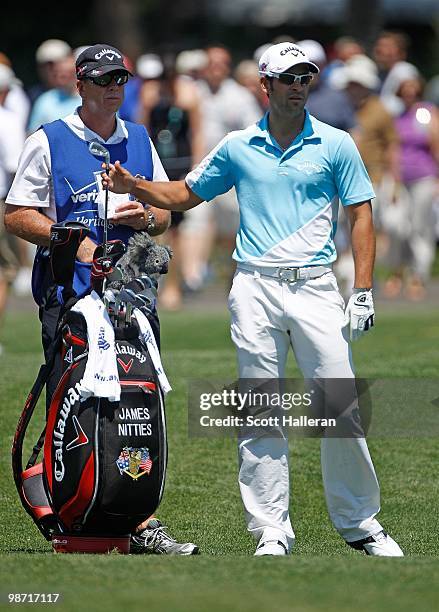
275	548
378	545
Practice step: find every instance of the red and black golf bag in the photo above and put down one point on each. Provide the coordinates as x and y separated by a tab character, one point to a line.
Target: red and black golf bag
103	464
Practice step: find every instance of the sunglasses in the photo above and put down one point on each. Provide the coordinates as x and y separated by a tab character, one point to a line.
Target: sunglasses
287	78
120	78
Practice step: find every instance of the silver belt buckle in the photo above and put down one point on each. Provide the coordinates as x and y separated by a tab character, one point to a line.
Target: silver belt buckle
289	275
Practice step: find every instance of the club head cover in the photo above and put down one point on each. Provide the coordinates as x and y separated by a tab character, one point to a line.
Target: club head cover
65	239
105	266
144	257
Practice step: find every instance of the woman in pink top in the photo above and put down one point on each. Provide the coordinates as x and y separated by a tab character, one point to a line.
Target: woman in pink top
418	128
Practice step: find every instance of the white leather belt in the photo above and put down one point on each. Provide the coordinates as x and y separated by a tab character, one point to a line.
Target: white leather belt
288	275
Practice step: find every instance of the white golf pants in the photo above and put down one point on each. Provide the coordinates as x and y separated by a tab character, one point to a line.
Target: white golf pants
267	316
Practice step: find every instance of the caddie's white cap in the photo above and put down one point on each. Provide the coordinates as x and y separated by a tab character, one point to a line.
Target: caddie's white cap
279	58
7	78
52	50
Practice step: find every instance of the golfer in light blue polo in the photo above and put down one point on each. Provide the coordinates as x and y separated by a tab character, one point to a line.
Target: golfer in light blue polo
290	172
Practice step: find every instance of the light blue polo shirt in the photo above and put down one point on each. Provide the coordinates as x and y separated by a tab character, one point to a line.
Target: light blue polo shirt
51	105
288	200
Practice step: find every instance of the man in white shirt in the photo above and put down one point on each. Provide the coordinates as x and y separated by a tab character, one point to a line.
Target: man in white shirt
44	192
58	180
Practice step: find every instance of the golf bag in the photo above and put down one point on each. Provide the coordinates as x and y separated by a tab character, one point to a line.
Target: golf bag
104	462
103	466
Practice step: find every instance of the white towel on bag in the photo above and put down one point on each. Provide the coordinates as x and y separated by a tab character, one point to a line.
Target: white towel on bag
147	336
101	378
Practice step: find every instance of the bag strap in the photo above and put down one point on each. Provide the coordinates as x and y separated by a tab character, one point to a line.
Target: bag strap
36	449
25	417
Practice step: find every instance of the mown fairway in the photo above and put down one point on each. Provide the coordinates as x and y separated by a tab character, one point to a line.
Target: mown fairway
202	504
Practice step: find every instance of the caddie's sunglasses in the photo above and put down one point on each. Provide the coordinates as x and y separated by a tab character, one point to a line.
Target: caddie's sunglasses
287	78
120	78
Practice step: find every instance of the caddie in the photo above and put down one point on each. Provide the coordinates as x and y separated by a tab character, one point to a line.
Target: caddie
58	179
290	171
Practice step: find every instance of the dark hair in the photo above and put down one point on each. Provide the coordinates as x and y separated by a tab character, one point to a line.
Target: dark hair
222	48
270	82
217	45
169	72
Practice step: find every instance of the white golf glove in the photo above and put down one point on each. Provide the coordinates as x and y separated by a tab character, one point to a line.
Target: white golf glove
359	313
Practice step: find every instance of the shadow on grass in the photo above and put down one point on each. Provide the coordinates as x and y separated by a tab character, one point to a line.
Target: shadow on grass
28	551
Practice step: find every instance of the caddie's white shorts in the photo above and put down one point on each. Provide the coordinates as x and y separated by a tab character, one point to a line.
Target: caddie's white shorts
267	317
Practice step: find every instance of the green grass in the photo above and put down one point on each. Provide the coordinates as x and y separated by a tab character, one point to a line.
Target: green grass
202	503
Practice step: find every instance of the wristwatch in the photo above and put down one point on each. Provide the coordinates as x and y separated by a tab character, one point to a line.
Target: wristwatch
150	221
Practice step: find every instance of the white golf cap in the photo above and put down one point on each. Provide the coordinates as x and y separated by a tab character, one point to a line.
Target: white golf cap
189	60
279	58
52	50
403	71
7	78
149	66
314	51
361	69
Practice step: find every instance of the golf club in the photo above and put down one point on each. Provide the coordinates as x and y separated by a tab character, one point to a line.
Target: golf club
98	150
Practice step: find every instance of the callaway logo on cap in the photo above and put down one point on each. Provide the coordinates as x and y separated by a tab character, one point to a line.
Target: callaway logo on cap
109	53
283	56
98	60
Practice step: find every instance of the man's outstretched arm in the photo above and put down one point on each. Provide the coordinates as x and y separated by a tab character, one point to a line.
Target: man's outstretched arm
171	195
363	243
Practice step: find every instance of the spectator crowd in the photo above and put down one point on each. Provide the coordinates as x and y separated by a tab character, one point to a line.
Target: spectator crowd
190	101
